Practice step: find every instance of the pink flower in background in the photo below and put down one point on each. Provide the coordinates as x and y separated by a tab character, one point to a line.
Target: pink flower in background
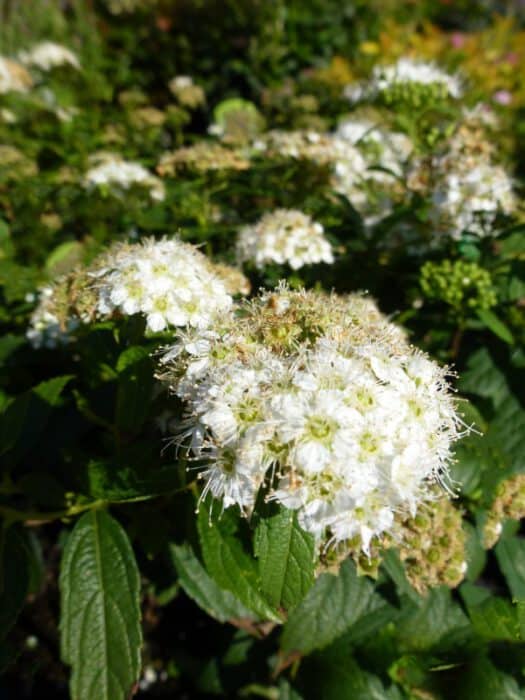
502	97
457	40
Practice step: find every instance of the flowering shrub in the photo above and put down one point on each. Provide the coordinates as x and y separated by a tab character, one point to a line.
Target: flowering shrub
262	273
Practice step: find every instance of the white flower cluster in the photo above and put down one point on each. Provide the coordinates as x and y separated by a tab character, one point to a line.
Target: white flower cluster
353	152
284	236
470	199
320	399
48	55
169	282
110	170
405	70
13	76
369	181
467	190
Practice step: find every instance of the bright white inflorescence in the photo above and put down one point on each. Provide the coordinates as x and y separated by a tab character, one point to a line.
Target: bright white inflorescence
111	170
284	236
353	152
405	70
320	398
48	55
466	188
169	282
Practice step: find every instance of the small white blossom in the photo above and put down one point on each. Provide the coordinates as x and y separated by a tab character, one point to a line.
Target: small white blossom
112	171
284	236
405	70
48	55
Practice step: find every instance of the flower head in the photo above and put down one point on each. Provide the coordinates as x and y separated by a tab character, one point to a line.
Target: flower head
284	236
320	398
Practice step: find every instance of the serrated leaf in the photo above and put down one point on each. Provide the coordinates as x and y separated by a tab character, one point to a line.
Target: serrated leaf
229	565
218	603
329	609
510	553
483	378
135	387
494	619
480	679
100	611
436	622
493	323
286	559
335	675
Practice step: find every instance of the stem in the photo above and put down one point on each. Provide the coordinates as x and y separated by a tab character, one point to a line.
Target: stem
11	515
456	341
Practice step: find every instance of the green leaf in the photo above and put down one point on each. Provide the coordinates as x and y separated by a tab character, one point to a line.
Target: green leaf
481	680
335	675
26	417
436	622
329	609
495	619
492	322
483	378
100	611
15	576
229	565
393	566
63	258
476	554
114	482
135	387
510	553
220	604
286	559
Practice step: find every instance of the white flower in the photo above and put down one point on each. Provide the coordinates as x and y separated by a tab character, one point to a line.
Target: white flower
48	55
323	396
405	70
111	170
284	236
167	281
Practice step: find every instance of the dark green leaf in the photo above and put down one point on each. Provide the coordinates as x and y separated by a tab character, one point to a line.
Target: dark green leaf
492	322
100	612
329	609
135	386
286	559
495	619
229	565
26	417
510	553
220	604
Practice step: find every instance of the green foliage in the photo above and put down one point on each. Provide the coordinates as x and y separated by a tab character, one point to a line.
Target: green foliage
286	559
100	614
238	604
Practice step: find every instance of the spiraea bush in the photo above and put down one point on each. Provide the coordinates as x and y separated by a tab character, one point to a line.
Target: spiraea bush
262	273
